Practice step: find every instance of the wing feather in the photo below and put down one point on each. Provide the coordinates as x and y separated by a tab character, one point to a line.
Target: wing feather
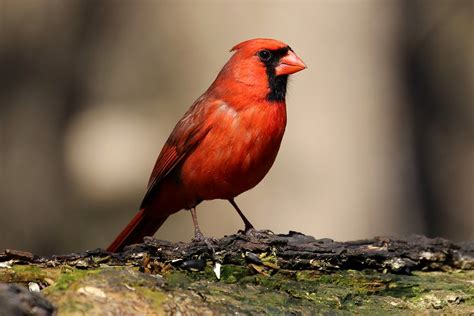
184	139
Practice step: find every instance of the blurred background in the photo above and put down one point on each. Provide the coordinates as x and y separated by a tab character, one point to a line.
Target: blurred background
380	135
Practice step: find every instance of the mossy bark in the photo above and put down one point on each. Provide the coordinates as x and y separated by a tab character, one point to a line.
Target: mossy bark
264	273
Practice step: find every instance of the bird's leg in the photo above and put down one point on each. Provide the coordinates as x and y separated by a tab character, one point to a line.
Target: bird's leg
248	225
198	236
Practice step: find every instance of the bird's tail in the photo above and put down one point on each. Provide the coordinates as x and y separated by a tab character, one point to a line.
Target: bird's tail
143	224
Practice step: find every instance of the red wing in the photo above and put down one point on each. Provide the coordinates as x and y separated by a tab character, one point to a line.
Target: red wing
168	158
187	134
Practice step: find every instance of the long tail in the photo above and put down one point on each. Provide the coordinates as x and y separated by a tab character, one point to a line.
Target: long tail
143	224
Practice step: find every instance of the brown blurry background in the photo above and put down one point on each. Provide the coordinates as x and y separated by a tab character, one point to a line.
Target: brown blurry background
380	136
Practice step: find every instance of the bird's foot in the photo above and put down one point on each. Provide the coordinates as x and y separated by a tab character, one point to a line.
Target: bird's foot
208	241
198	237
257	234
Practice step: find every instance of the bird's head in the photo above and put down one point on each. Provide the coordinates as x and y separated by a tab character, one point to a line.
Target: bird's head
263	65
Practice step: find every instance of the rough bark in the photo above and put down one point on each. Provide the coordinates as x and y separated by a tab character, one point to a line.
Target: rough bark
258	273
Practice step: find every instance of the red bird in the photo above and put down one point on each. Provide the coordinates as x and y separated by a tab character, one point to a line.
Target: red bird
225	143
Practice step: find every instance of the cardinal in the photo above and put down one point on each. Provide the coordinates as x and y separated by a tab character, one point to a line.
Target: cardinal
225	143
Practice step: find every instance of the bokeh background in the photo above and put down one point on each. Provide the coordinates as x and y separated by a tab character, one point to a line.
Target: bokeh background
380	135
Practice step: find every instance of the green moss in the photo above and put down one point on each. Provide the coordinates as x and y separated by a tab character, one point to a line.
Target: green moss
178	279
347	291
27	270
233	274
67	278
243	289
156	298
28	273
22	274
110	290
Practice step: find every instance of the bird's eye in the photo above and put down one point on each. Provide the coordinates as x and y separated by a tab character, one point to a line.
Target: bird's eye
264	55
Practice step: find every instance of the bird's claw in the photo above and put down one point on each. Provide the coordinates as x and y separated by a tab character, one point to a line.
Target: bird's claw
198	237
209	241
258	234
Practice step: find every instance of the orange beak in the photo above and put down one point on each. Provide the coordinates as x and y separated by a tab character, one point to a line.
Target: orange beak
289	64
